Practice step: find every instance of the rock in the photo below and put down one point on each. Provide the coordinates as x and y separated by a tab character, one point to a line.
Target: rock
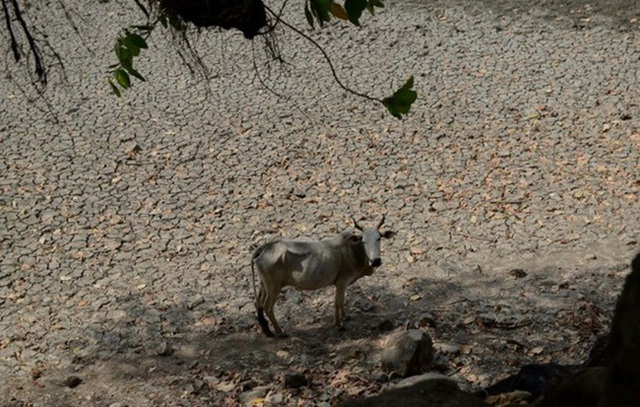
623	353
196	387
447	348
598	352
164	349
294	380
117	404
410	381
247	398
407	353
72	381
195	301
275	399
534	379
582	389
436	392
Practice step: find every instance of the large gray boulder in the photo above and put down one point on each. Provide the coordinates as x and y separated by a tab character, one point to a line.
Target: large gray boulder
407	353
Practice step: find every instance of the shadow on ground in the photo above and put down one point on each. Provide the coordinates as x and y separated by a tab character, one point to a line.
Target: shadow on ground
617	13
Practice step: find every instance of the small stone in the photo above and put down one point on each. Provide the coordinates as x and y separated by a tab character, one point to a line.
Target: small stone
195	301
295	380
437	206
72	381
447	348
276	399
247	398
164	349
211	381
197	386
116	404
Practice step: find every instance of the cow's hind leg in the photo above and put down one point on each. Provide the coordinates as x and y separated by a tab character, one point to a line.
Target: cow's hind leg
260	306
339	303
270	300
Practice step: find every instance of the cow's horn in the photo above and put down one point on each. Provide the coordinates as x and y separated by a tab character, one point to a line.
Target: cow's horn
355	223
381	221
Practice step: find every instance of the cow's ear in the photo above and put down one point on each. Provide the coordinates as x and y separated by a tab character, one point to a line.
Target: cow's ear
388	234
355	239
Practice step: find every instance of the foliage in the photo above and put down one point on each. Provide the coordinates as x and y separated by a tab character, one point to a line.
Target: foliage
400	102
321	10
129	44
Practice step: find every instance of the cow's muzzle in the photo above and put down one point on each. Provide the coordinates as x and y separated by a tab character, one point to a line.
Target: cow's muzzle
376	262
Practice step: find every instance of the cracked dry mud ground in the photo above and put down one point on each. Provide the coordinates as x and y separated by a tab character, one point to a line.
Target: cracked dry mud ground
126	228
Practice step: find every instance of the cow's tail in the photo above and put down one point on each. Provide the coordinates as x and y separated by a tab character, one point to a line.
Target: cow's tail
264	324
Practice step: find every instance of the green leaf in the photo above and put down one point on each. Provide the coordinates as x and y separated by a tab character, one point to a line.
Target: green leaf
135	73
372	4
133	42
132	48
124	55
136	40
122	78
355	8
402	99
308	15
321	10
114	88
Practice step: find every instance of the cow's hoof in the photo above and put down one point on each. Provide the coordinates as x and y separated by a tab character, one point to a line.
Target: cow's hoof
341	328
282	335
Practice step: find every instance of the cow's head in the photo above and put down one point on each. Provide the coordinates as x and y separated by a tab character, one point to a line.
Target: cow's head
371	240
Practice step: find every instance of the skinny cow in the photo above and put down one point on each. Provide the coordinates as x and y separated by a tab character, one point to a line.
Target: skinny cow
310	264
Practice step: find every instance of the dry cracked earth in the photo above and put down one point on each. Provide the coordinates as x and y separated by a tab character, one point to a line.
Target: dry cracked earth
126	225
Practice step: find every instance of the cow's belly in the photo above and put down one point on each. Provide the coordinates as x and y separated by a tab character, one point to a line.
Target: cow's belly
312	279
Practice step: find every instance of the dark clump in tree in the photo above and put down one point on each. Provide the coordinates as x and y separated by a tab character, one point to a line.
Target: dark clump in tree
248	16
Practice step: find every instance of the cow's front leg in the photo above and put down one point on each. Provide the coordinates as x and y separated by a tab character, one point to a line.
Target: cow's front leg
339	303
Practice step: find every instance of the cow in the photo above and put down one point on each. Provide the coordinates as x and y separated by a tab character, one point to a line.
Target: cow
311	264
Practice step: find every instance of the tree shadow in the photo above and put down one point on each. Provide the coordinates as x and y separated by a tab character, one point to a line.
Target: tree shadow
578	13
204	355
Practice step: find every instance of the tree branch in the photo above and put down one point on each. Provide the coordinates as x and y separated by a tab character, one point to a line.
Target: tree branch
14	41
35	51
326	57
